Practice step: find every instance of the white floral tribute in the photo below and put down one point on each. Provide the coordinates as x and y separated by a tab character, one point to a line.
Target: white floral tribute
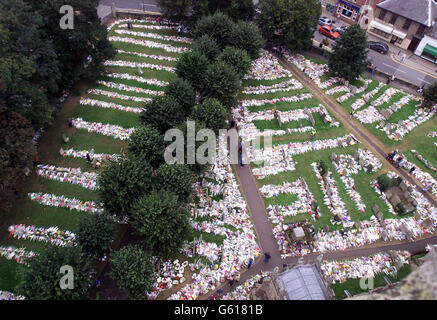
131	64
6	295
149	56
154	36
260	102
52	235
109	105
82	154
86	180
116	95
148	44
127	76
284	86
365	98
125	87
112	130
362	267
267	67
53	200
20	255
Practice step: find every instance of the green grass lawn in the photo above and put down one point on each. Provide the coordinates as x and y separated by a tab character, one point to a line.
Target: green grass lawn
353	285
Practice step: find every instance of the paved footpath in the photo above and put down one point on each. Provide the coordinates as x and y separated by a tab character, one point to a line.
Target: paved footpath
262	224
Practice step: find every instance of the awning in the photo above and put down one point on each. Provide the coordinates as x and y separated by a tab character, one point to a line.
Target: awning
380	26
350	5
430	50
399	34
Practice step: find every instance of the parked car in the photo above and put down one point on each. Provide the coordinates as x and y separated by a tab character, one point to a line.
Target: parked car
325	21
329	32
381	47
340	29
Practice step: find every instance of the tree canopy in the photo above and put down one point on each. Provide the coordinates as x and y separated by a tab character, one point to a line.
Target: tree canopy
430	95
162	219
147	144
163	113
289	22
212	114
192	66
238	59
41	279
218	26
121	183
207	46
184	94
175	178
133	271
349	56
95	233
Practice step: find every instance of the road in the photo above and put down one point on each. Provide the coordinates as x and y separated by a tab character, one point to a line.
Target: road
149	5
387	64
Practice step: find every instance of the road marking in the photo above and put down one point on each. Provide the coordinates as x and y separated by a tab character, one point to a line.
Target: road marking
406	65
423	80
388	65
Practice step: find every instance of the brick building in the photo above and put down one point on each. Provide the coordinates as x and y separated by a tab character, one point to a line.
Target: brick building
403	22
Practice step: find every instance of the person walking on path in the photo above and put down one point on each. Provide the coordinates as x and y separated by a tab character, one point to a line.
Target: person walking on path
250	263
267	257
373	70
70	122
231	282
412	169
388	80
237	277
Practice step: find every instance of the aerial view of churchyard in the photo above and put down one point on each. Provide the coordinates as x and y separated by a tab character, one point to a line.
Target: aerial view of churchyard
218	150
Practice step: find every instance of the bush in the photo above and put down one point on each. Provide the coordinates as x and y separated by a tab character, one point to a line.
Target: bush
192	66
383	182
400	208
131	268
237	59
218	26
163	113
184	94
95	232
396	182
322	167
212	114
207	46
147	144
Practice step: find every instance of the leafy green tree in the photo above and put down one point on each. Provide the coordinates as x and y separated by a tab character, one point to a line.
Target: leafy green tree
212	113
175	10
121	183
349	59
218	26
206	45
133	271
147	144
383	182
80	50
221	83
247	36
236	9
430	96
41	279
16	148
237	59
163	113
192	66
289	22
175	178
95	233
184	94
162	219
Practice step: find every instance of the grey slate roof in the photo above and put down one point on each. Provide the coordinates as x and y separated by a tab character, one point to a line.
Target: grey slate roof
421	11
303	283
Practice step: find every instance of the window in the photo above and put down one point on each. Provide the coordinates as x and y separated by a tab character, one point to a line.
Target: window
407	24
393	18
347	11
355	15
381	33
396	39
382	13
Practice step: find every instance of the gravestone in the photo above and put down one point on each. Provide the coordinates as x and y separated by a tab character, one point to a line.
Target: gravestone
326	228
356	156
406	195
395	200
408	208
375	209
361	162
414	203
388	194
334	158
313	122
417	215
299	234
403	186
369	168
384	235
358	225
348	140
380	216
427	223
